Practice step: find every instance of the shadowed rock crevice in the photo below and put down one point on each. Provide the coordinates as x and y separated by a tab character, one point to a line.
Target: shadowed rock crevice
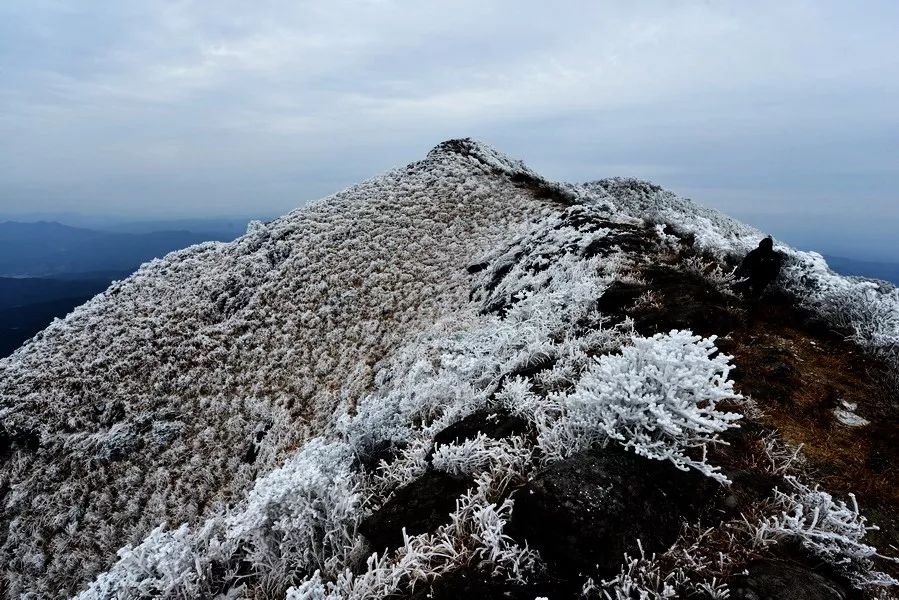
494	423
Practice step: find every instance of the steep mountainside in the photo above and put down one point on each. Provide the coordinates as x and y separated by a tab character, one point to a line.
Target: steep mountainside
457	379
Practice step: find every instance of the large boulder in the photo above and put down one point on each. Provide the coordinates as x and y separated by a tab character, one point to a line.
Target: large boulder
779	580
583	514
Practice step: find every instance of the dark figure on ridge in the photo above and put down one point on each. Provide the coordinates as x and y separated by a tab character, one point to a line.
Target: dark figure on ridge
759	268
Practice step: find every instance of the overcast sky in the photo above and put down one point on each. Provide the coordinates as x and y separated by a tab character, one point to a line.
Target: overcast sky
783	113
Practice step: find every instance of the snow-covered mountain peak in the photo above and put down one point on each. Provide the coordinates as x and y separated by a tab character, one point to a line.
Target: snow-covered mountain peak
410	364
480	152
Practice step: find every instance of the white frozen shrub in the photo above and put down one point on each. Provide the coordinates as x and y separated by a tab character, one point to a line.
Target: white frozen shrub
640	579
829	528
781	458
868	309
300	517
473	535
410	464
480	454
645	579
723	280
164	564
660	397
501	460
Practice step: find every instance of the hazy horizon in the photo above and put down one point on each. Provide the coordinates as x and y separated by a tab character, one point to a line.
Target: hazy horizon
782	114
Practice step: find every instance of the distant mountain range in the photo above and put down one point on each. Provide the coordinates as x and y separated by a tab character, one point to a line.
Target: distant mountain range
47	268
886	271
49	249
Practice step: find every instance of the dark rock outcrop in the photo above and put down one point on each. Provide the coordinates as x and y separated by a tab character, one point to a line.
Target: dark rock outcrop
583	514
778	580
419	507
495	424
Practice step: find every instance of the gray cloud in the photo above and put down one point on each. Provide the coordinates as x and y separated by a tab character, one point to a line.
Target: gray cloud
774	111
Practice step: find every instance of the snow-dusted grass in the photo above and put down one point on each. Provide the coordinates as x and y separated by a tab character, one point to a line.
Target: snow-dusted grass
474	536
300	517
868	310
501	460
643	578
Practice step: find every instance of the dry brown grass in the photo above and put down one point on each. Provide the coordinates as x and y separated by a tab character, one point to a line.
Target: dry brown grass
796	371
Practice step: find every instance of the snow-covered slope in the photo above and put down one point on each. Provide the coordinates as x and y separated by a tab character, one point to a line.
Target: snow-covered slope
145	403
219	416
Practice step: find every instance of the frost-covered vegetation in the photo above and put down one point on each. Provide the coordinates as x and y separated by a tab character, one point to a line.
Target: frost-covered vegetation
828	528
303	518
221	424
163	399
659	397
867	309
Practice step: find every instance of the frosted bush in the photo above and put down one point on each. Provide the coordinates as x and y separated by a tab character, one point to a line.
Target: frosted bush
660	397
723	280
410	464
829	528
480	454
474	535
300	517
164	564
643	578
502	460
868	309
640	579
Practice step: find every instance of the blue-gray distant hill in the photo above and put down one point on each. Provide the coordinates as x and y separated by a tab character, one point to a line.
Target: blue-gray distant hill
886	271
47	268
47	249
45	300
